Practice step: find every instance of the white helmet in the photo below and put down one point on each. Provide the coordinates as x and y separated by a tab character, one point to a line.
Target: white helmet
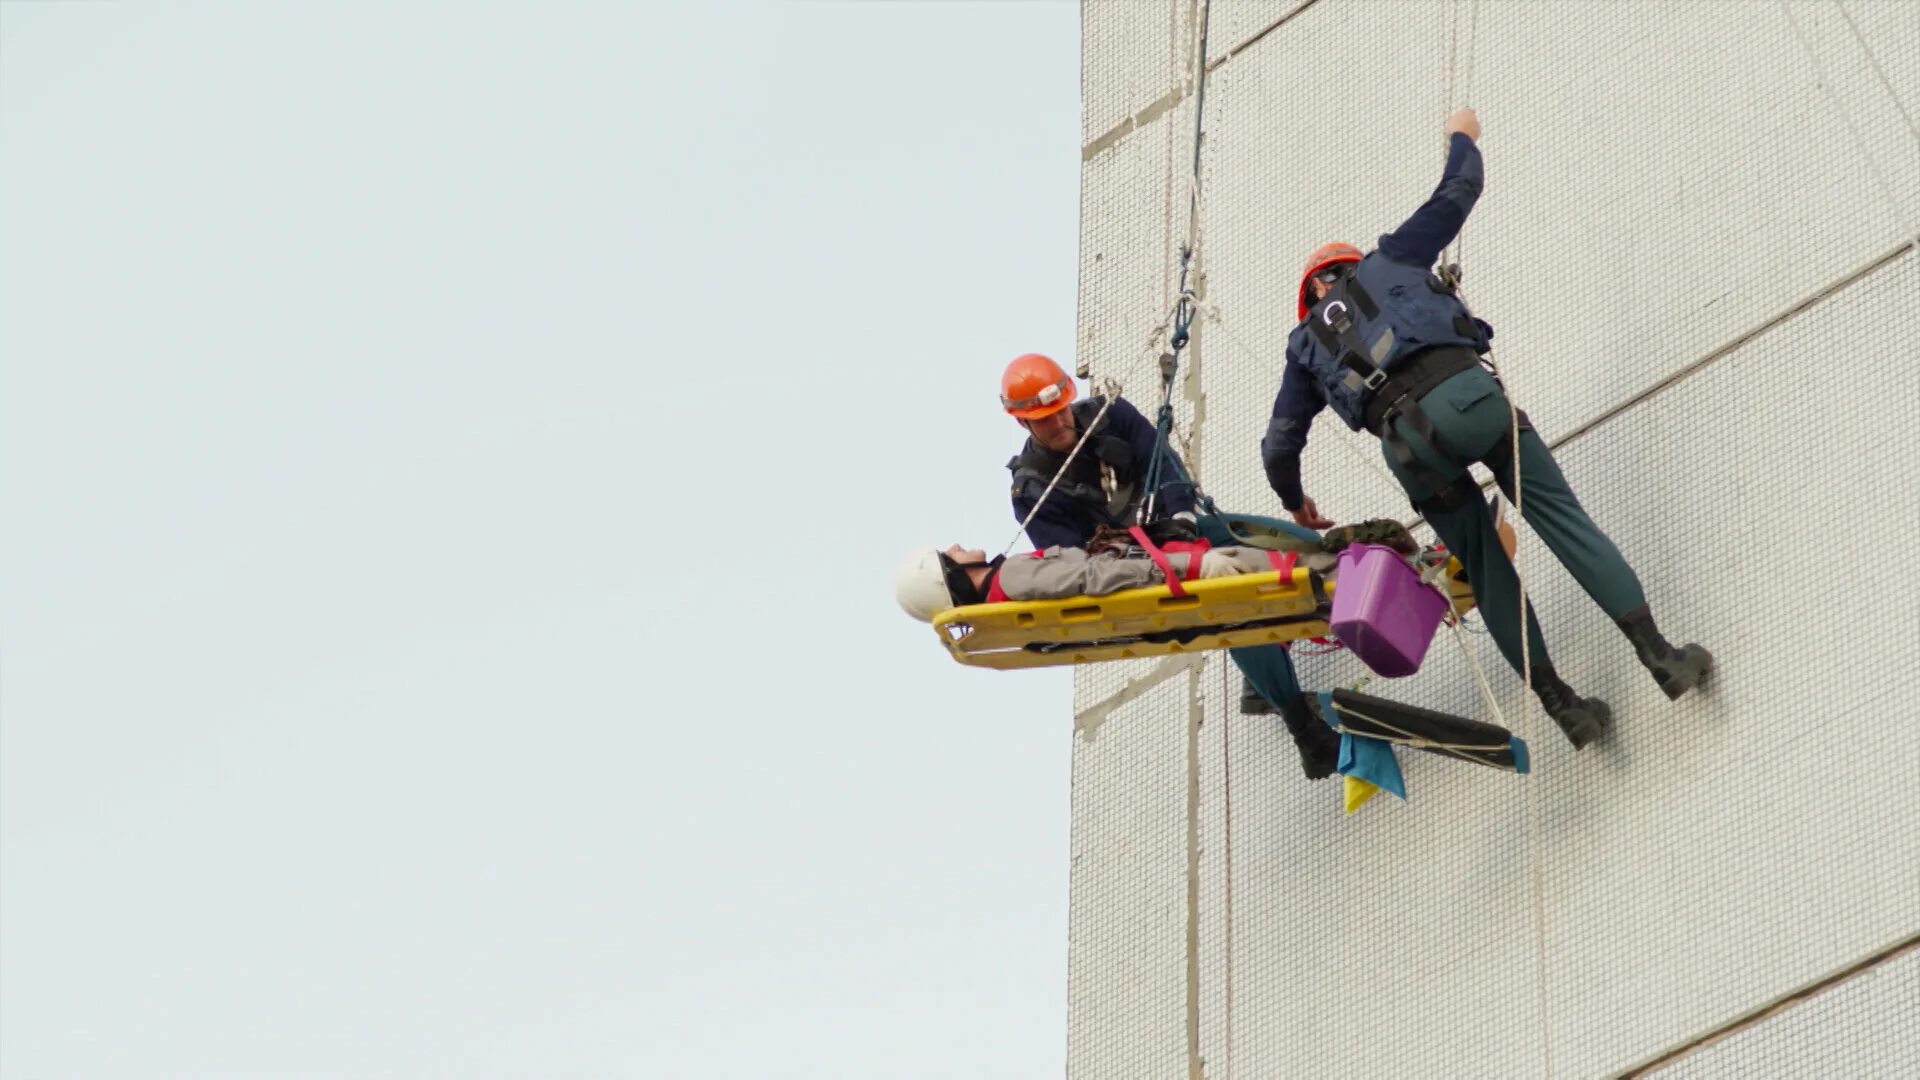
920	584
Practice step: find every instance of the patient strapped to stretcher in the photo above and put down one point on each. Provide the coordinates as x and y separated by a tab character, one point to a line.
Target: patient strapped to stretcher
930	582
1132	595
1021	611
968	577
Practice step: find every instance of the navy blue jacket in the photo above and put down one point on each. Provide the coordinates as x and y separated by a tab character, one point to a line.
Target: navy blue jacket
1068	522
1313	378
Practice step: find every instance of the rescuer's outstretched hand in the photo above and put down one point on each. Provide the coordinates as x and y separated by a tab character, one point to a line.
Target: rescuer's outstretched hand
1309	516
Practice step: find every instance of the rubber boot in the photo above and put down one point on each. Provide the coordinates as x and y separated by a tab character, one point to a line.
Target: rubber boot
1253	702
1319	745
1675	670
1581	719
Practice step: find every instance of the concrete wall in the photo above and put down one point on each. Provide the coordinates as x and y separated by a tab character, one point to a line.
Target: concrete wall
1700	244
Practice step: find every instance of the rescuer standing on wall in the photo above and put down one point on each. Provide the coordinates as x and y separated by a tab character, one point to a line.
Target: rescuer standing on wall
1105	486
1389	345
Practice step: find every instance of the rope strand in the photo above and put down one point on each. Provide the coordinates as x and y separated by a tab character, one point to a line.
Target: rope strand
1226	792
1213	314
1111	388
1535	859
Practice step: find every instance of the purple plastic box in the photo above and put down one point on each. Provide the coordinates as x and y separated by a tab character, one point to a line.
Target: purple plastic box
1383	611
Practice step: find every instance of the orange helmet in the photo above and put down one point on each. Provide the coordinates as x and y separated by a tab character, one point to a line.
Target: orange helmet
1034	386
1324	256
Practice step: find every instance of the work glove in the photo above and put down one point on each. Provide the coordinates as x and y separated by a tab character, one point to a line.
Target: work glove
1213	564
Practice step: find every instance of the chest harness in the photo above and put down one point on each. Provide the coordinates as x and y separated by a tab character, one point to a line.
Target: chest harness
1101	481
1389	395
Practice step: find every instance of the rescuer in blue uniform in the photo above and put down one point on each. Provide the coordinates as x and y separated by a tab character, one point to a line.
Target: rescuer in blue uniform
1105	485
1389	346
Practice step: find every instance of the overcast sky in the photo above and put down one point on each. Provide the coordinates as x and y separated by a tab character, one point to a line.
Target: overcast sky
453	459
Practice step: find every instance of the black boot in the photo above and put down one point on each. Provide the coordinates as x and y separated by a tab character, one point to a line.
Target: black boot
1676	670
1582	719
1253	702
1319	744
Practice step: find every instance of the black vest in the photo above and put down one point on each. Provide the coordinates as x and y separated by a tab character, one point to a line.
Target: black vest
1035	466
1396	310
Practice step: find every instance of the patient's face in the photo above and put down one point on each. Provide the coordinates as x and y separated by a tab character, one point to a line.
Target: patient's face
1054	432
966	556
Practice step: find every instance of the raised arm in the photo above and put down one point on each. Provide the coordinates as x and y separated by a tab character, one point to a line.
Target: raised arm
1422	237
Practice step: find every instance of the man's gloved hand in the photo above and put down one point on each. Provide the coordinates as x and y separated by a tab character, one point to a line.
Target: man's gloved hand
1213	564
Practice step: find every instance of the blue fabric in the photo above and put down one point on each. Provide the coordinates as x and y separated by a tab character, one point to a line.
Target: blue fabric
1328	714
1521	763
1367	759
1395	275
1067	522
1215	527
1270	669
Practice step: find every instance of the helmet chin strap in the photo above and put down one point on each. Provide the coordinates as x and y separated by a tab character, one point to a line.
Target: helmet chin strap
960	584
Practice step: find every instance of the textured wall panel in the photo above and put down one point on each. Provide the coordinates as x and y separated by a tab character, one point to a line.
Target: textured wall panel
1688	207
1130	232
1863	1027
1131	56
1717	835
1127	969
1265	210
1235	22
1868	66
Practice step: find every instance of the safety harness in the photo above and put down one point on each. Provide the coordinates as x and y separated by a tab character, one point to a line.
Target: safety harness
1103	480
1389	396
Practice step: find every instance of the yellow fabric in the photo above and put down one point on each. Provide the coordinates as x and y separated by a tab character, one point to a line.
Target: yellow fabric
1358	791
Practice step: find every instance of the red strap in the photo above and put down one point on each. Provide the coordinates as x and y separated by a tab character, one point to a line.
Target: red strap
1159	559
1195	552
1284	564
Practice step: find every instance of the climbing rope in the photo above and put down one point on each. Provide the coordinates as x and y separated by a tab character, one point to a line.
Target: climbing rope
1111	390
1454	624
1185	305
1226	797
1535	859
1349	445
1178	324
1519	503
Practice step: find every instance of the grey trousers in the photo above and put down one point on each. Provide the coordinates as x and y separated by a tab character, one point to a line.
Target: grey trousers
1470	414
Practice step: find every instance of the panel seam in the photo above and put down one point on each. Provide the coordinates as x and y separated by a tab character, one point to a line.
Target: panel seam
1783	1002
1807	304
1168	101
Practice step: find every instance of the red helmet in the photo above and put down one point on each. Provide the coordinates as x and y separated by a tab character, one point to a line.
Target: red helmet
1324	256
1034	386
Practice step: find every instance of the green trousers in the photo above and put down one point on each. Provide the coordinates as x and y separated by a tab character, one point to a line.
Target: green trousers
1470	414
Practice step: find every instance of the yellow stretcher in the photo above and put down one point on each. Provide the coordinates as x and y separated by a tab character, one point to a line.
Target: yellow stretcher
1216	613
